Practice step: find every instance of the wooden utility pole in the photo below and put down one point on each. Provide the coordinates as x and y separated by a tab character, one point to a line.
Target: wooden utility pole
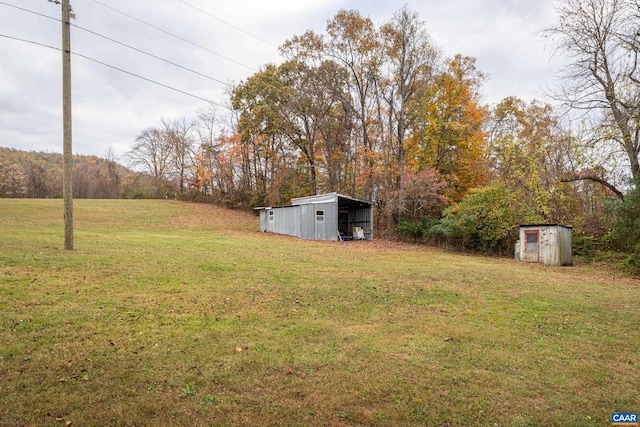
67	152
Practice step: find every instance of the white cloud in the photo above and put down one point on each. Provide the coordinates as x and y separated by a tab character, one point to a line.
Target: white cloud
111	108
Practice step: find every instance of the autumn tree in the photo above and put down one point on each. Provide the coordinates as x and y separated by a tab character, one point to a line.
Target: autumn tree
260	101
529	152
411	60
447	133
418	204
335	127
352	42
37	182
38	174
303	111
12	181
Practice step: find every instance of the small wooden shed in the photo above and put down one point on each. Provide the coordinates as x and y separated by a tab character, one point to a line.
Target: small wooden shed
545	243
330	216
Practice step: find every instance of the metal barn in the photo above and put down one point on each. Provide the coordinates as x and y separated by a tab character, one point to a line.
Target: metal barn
329	216
545	243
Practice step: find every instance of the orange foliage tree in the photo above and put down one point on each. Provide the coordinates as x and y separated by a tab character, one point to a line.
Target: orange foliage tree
448	134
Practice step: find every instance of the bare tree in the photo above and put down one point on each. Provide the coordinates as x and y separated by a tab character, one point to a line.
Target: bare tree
600	40
179	141
151	154
36	180
107	177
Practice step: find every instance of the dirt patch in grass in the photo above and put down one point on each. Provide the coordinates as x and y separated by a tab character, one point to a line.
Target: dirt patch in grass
212	217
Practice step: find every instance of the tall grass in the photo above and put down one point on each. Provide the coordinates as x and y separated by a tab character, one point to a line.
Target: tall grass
177	314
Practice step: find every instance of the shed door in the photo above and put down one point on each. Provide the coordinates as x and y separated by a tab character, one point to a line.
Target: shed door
532	246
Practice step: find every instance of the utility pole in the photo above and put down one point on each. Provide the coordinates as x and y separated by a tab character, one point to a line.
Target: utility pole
67	152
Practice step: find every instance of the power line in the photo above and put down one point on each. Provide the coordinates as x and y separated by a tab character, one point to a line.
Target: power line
151	81
30	41
228	23
174	35
124	44
152	55
30	11
118	69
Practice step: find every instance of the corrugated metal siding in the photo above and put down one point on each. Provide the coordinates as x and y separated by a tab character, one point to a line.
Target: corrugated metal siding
311	228
286	221
264	217
327	229
301	220
307	222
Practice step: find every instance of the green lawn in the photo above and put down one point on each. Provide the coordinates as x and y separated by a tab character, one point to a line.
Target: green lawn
169	313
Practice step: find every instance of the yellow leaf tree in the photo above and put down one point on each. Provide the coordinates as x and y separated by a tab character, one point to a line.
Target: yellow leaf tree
447	133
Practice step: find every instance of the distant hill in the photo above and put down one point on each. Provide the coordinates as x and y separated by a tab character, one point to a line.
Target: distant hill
39	175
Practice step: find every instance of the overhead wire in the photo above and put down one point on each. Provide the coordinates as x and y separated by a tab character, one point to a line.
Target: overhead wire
118	69
228	23
174	35
27	10
151	55
123	44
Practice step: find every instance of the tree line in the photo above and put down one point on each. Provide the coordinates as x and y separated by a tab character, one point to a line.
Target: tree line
377	111
30	174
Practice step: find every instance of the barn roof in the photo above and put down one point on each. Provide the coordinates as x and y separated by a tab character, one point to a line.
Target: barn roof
328	198
344	202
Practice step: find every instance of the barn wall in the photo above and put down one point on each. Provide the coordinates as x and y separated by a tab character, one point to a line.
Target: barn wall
307	222
264	215
311	228
301	218
329	229
286	220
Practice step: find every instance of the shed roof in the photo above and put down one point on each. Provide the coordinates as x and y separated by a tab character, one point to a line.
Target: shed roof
344	202
328	198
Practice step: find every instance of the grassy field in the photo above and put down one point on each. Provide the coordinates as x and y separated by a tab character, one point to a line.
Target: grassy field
169	313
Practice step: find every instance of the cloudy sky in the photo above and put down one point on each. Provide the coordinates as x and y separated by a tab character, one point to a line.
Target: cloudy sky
226	45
